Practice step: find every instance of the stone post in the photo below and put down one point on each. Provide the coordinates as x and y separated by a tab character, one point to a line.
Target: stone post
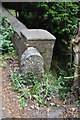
32	61
76	48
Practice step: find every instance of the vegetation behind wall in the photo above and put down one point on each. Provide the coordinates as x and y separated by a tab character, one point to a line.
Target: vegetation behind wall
59	18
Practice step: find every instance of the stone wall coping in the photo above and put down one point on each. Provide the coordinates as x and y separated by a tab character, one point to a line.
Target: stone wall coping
37	34
14	22
29	34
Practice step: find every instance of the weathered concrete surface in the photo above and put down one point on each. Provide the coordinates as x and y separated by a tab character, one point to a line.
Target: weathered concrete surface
40	39
15	23
32	61
37	34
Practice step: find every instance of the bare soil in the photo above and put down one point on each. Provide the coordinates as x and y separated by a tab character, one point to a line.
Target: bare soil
12	109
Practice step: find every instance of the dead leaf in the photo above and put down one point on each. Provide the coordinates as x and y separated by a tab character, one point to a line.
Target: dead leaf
52	104
37	107
48	110
32	107
37	113
73	109
3	108
64	101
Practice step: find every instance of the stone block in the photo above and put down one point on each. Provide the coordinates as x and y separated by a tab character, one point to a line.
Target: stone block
42	40
32	61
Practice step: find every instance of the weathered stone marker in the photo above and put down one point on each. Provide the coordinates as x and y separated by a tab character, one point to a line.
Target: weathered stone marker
76	48
32	61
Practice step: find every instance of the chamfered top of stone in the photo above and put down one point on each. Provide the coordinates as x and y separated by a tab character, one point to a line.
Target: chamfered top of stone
37	34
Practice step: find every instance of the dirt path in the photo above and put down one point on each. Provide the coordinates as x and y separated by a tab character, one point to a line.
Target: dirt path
11	107
2	114
0	91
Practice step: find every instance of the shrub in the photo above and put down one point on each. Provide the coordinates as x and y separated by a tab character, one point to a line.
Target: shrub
6	32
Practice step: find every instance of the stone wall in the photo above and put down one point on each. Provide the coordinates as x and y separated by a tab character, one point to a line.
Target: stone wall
42	40
23	38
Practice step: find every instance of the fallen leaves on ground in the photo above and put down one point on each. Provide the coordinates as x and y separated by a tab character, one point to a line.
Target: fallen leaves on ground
12	107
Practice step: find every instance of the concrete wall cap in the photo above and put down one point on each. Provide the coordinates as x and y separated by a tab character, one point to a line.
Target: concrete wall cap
37	34
15	23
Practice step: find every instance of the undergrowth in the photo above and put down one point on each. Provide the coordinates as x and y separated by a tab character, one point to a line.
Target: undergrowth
6	32
6	45
42	92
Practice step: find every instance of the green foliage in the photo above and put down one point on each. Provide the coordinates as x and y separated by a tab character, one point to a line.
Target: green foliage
22	102
4	64
6	32
59	18
28	87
